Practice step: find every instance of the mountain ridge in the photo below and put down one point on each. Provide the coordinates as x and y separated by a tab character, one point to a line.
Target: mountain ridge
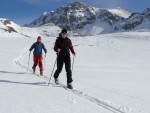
76	16
83	20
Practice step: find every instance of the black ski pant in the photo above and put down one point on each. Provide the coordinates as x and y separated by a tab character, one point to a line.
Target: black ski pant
60	62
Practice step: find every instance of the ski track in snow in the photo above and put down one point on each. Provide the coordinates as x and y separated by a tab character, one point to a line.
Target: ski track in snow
101	103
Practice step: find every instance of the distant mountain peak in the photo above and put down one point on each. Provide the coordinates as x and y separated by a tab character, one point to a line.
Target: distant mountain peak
76	4
77	15
45	13
147	10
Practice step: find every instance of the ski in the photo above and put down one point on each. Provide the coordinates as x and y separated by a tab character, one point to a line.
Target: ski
68	89
38	75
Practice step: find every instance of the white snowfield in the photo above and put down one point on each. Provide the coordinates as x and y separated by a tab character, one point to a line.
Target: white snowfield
111	74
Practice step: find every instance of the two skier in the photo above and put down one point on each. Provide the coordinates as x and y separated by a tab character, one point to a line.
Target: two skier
62	47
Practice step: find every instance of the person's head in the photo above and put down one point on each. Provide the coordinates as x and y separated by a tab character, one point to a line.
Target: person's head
39	38
64	33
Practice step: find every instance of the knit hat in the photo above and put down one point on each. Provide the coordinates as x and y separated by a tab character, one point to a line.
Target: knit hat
64	31
39	38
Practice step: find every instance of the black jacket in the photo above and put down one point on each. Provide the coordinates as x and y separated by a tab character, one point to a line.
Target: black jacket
65	45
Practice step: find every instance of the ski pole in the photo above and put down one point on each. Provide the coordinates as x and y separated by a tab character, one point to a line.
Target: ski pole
73	63
28	62
52	71
44	59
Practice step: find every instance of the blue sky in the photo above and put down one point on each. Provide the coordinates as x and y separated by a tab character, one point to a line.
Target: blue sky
25	11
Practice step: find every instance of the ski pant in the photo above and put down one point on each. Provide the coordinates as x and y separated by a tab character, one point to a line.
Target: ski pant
60	62
38	60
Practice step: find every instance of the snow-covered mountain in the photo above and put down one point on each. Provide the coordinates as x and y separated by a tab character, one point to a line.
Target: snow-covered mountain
88	20
46	30
8	26
83	19
136	21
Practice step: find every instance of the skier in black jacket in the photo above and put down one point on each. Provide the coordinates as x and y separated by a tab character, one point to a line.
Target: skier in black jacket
62	46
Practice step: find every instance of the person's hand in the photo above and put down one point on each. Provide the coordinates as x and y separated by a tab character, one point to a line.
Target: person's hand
74	54
58	50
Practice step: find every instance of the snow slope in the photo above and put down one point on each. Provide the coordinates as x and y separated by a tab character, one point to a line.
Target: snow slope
121	12
111	74
45	30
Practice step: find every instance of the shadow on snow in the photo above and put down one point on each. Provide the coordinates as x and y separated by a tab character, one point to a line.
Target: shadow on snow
13	82
21	73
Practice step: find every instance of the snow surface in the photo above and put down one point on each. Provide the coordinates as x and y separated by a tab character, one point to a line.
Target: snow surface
111	74
94	29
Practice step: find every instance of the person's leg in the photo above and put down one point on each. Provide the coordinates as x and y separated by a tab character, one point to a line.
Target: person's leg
35	59
59	68
68	69
40	58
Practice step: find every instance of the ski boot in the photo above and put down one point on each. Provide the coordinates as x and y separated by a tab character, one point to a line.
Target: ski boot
69	85
41	73
56	81
33	71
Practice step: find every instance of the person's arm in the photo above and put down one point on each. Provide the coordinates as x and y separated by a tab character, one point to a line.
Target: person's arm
55	46
56	49
32	47
43	46
71	48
